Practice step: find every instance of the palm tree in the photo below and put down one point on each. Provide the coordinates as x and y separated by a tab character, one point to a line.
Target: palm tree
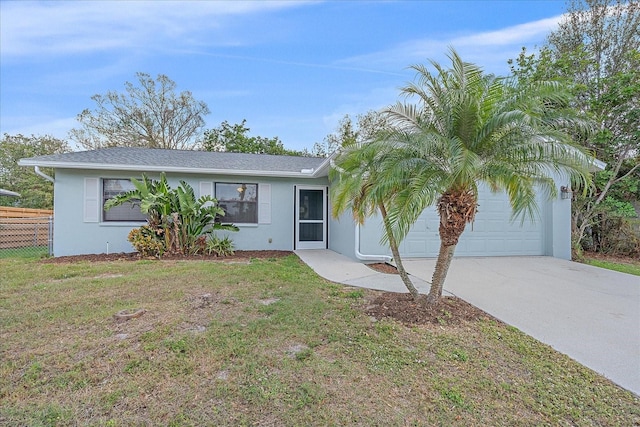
355	185
470	128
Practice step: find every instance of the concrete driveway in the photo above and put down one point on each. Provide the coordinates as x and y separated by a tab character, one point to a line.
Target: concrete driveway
590	314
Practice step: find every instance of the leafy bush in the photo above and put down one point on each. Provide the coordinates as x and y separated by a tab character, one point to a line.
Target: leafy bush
620	236
220	246
146	241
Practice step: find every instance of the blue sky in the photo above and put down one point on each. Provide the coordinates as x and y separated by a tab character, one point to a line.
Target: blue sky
291	68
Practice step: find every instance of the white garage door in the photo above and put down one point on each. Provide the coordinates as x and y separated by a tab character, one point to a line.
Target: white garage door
492	234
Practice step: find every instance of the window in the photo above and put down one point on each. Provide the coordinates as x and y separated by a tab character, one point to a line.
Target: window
239	201
129	211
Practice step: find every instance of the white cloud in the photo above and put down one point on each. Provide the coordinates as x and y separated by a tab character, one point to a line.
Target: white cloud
58	128
46	27
489	49
523	33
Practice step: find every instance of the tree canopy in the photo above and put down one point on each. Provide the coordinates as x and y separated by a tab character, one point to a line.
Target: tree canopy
596	49
235	139
148	114
35	191
348	132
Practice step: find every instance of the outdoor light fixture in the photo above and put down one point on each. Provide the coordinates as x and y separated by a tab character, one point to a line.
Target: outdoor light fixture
565	192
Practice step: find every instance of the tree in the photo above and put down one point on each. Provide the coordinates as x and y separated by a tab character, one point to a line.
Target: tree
35	191
367	125
596	48
150	115
235	139
355	185
470	128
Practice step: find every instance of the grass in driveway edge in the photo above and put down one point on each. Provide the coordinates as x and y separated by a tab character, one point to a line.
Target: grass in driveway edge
265	343
615	266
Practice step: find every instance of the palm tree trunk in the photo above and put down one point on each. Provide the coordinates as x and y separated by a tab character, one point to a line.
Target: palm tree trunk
456	209
396	254
440	272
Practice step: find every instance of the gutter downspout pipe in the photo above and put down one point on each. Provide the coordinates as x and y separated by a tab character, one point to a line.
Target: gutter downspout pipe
363	257
43	175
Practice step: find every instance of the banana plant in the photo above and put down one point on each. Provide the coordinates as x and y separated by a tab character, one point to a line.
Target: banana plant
178	216
198	216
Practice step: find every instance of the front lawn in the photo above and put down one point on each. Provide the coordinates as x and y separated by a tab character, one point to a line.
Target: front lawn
265	343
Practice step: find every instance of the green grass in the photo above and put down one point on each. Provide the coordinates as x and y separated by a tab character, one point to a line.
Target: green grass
26	252
265	343
616	266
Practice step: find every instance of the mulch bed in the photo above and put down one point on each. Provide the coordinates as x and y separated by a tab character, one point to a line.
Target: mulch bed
403	308
383	267
135	256
622	259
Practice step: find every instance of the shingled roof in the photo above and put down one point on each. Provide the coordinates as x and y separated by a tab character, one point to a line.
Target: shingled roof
184	161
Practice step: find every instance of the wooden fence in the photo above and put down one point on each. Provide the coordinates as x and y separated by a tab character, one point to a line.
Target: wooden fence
22	228
11	212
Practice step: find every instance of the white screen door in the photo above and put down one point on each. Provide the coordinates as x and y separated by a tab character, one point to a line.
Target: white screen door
311	218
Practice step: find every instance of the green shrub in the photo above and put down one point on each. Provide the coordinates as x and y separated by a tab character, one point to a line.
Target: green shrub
146	241
220	246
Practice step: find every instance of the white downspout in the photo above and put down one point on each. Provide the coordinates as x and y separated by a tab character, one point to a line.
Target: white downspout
363	257
43	175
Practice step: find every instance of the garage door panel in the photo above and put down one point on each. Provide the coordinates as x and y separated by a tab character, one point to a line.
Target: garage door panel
493	232
490	226
476	246
416	247
491	206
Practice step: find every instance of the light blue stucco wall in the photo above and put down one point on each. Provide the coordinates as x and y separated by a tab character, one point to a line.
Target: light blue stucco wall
342	234
73	236
559	227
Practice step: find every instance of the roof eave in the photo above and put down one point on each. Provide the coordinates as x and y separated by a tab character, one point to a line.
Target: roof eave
323	169
172	169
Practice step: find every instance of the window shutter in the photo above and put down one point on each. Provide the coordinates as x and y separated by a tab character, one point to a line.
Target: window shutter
91	200
206	188
264	203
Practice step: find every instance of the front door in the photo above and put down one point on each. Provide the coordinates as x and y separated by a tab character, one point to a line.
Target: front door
311	218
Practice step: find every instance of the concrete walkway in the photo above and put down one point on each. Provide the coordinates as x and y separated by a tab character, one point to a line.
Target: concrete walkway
590	314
